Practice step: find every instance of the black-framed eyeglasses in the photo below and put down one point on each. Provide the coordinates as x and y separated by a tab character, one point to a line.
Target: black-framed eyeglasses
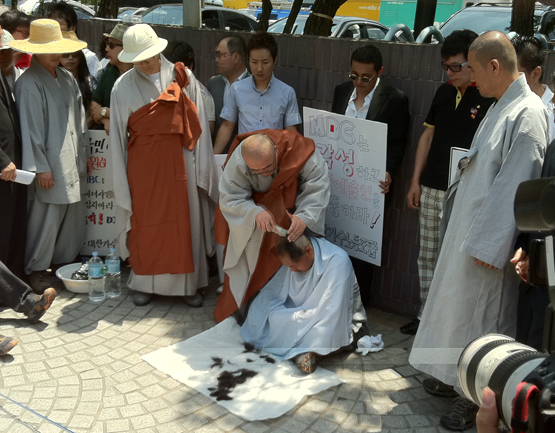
365	79
111	45
68	55
219	54
454	68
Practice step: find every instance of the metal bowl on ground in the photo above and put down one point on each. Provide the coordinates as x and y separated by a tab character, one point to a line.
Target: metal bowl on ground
75	286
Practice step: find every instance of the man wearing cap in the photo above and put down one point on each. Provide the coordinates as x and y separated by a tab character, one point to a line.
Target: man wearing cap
55	142
13	196
100	105
165	183
10	71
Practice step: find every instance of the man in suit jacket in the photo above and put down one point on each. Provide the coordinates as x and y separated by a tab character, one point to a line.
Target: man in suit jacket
13	196
231	58
365	97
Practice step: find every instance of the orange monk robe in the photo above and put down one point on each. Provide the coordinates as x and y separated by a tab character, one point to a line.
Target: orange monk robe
160	238
301	183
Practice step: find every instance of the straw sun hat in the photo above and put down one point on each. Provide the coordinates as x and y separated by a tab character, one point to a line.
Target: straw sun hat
46	38
140	43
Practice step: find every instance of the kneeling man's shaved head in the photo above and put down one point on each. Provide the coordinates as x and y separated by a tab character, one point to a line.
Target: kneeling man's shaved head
298	255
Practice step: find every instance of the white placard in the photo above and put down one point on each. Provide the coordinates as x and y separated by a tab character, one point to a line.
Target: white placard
457	153
101	207
355	152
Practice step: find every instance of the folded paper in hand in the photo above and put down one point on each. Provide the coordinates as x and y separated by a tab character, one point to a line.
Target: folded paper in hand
24	177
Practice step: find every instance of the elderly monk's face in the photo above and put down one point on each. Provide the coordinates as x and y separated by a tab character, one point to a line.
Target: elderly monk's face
265	166
149	66
481	76
302	265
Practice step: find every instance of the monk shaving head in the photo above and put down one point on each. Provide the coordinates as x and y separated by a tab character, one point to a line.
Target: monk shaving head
259	154
492	60
297	256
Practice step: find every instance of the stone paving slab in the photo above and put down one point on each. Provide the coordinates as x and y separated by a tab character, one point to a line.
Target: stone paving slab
80	370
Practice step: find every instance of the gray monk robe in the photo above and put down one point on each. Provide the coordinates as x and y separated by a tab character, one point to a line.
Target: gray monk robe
237	186
132	91
467	300
55	139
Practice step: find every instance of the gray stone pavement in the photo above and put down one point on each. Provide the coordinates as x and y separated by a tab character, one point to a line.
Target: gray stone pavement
80	370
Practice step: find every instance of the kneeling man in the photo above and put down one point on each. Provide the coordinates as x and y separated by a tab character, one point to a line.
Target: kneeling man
310	307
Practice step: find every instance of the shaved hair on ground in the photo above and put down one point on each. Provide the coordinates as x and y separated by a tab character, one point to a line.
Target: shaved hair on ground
495	45
257	147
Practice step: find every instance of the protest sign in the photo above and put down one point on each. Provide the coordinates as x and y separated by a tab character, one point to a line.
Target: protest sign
355	153
101	207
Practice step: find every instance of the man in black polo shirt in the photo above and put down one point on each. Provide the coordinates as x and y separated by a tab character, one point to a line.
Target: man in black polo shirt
456	112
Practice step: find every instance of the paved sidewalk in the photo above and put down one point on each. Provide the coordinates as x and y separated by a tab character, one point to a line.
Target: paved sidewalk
80	370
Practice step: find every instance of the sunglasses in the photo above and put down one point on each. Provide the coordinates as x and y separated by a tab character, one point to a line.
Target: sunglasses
111	45
68	55
364	79
454	68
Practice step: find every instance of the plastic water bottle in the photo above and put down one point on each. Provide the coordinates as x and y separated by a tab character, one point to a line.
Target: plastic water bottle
113	275
97	289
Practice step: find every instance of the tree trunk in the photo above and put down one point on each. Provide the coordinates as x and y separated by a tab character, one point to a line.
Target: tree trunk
522	17
297	4
321	25
108	9
264	16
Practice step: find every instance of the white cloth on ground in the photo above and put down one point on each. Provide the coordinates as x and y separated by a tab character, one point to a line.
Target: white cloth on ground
277	387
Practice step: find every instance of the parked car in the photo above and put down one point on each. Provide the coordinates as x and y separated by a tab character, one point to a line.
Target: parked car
342	27
83	12
483	17
213	17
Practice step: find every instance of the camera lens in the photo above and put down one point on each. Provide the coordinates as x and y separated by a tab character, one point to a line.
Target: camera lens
498	362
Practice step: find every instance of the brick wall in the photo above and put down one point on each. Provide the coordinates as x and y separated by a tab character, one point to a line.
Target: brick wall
313	66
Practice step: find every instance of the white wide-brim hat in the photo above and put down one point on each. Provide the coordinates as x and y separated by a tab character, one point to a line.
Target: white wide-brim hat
5	39
45	37
140	43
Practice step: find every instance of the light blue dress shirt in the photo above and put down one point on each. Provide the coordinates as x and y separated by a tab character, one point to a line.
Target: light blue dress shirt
274	108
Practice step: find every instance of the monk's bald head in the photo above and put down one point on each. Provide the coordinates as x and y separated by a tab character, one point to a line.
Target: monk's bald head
495	45
259	154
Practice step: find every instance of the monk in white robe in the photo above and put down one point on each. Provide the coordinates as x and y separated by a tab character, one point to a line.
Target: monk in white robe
474	291
311	307
271	177
132	91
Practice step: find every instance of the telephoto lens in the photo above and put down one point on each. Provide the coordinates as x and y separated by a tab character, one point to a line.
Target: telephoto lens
500	363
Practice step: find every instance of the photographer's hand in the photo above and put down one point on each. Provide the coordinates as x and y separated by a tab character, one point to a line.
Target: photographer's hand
522	264
487	417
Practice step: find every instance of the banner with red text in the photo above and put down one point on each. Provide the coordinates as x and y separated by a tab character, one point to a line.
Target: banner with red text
355	153
100	206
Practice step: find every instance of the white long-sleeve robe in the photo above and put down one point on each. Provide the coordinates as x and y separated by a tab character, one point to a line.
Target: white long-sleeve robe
466	300
132	91
312	311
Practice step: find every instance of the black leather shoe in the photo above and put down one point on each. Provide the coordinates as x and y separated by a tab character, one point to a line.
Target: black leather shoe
411	327
437	387
140	298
